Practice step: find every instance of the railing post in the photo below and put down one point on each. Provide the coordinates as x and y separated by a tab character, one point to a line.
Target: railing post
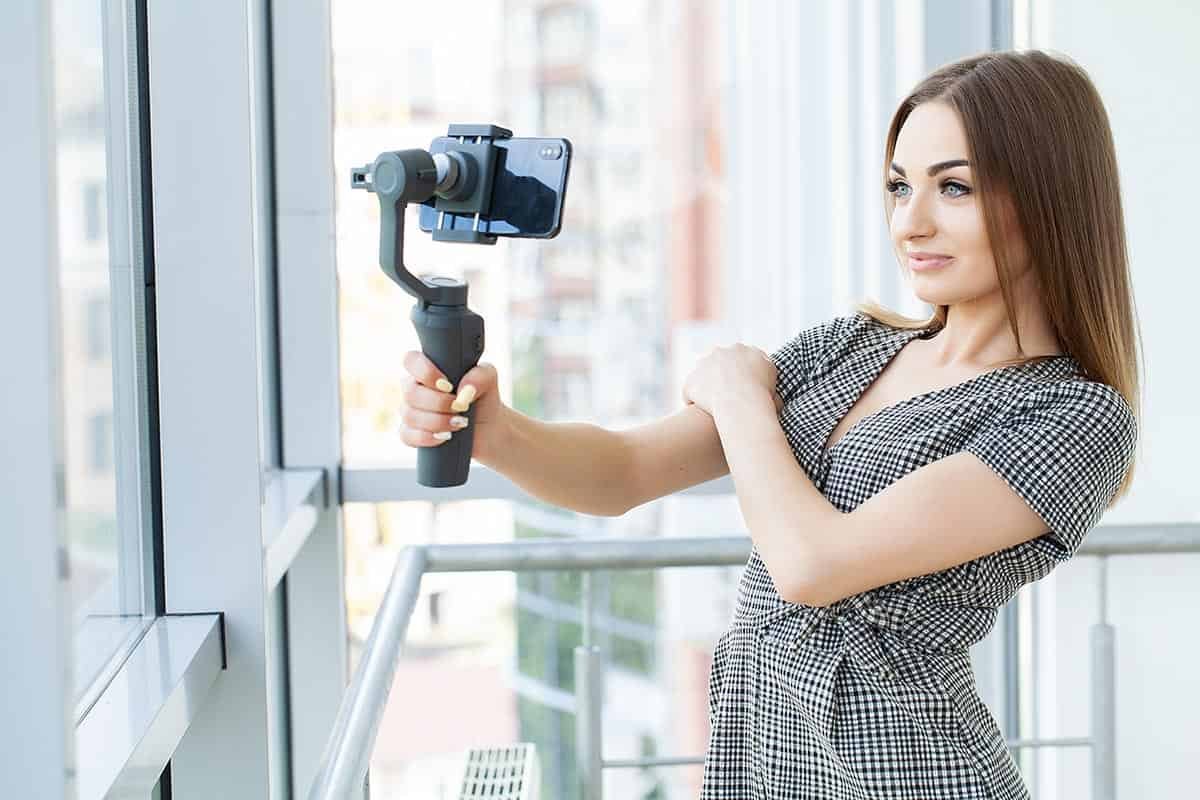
589	730
1103	700
1104	728
588	603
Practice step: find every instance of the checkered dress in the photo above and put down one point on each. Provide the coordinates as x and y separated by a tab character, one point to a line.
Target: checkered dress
873	696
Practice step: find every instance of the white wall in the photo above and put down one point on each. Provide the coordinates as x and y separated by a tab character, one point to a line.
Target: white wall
1144	60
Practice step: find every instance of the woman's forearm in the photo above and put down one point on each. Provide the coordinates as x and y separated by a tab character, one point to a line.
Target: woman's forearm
574	465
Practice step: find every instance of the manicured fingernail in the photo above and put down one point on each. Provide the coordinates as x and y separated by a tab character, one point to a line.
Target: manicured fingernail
458	422
445	385
442	435
464	399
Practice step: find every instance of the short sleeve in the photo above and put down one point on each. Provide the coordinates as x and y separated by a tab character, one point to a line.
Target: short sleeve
1065	449
796	359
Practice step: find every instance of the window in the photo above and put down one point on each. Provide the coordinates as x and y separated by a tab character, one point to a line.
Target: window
101	367
98	330
563	35
100	444
556	325
93	211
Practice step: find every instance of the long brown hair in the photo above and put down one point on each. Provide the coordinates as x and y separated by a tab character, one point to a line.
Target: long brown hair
1038	133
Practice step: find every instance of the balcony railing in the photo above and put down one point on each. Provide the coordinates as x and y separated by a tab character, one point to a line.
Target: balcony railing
345	762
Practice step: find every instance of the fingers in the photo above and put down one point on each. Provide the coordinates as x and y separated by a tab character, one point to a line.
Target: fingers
479	379
424	398
425	372
426	376
433	414
428	428
432	421
427	397
418	438
465	395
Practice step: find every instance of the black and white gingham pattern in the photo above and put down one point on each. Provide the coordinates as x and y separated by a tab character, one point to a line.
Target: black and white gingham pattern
874	696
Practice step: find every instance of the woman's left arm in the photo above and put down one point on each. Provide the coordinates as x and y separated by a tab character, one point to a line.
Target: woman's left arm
1048	471
786	516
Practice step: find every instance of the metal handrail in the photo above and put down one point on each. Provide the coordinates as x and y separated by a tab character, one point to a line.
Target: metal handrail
347	754
346	758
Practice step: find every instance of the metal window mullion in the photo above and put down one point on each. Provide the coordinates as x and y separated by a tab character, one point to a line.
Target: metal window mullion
307	336
264	233
1002	24
201	81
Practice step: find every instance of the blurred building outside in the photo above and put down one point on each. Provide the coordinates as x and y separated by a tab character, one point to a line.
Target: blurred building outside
594	325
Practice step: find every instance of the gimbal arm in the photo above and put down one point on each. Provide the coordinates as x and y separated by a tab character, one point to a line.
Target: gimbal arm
398	178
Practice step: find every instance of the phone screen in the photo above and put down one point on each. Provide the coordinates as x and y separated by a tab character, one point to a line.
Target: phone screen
528	189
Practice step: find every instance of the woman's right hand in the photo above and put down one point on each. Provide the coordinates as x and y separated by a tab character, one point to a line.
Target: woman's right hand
428	405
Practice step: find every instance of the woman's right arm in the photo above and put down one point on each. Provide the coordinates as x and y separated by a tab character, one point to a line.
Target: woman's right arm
597	471
671	454
574	465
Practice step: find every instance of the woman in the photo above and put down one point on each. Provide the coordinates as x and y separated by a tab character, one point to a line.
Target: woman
900	480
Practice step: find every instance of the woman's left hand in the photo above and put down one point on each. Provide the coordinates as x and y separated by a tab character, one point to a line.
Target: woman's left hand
731	370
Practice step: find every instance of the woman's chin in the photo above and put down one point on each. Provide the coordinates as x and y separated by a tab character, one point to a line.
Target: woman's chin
927	292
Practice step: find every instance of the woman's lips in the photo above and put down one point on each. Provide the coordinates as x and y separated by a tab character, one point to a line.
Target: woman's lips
928	263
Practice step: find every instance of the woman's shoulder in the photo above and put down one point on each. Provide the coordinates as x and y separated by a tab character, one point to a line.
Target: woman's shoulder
806	353
1064	404
812	341
818	347
843	327
860	331
837	327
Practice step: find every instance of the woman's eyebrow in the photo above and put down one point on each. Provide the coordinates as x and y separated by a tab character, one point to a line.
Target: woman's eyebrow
936	168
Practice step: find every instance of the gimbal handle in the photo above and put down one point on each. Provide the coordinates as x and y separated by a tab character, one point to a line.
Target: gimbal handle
451	335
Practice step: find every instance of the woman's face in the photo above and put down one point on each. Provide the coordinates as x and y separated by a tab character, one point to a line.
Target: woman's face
941	213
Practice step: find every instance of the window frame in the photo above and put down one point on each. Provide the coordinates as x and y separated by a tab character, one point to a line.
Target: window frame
33	576
101	647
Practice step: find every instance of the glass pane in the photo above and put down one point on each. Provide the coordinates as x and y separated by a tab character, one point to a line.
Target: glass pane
578	327
105	567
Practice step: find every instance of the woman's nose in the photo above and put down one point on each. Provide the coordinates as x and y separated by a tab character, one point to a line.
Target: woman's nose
913	218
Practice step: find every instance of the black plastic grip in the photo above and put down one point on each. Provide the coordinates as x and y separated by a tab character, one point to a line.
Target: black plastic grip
452	338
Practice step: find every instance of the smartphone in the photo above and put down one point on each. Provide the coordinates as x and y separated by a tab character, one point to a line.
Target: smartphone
529	187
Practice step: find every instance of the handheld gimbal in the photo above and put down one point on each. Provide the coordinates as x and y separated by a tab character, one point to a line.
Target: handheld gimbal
486	185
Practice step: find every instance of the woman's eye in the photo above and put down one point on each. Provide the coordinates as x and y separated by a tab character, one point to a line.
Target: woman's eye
893	187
